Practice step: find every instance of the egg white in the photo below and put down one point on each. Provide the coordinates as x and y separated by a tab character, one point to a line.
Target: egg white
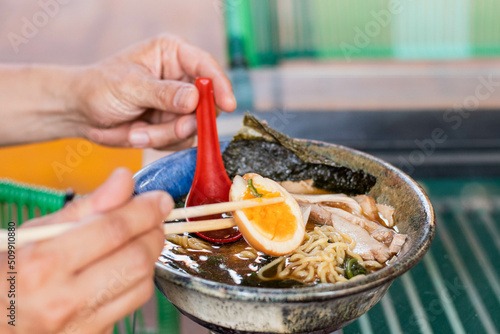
251	234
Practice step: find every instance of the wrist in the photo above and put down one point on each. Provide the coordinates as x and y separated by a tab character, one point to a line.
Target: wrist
38	103
62	99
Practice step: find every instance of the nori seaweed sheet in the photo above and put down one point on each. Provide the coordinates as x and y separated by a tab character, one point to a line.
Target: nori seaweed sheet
274	161
261	149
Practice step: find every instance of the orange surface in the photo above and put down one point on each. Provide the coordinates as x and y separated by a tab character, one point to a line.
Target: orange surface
68	163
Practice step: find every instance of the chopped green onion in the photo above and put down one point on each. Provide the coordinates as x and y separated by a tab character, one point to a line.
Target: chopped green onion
353	268
254	191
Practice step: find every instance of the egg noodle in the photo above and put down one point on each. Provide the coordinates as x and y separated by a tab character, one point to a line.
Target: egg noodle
318	259
186	242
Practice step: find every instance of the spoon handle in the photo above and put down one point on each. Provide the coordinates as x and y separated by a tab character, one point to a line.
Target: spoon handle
209	160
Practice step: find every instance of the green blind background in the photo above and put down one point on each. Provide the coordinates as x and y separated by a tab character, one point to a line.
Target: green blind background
266	31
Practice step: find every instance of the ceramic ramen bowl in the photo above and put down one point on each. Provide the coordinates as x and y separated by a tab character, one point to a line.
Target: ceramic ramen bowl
321	308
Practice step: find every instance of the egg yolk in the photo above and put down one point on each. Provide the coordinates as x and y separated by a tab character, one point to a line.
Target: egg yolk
276	221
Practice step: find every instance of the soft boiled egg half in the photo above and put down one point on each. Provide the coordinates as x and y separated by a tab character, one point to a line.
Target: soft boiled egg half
275	229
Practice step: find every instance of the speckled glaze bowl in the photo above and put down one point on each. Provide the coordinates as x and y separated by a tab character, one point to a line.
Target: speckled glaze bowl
323	308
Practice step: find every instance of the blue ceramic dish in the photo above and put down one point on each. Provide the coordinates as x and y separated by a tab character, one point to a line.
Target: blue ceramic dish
323	308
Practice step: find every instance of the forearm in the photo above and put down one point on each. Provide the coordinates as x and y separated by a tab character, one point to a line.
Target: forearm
36	103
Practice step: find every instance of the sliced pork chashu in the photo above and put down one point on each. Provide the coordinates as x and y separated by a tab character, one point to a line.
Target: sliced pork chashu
351	216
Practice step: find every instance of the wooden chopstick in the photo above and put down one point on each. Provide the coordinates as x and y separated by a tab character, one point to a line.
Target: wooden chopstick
27	235
212	209
198	226
30	234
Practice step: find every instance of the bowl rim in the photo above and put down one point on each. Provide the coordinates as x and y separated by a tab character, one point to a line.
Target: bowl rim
321	291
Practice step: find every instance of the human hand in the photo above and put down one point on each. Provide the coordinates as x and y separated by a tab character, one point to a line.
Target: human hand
143	97
86	279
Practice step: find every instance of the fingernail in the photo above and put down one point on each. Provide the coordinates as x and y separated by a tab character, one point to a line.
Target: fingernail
181	99
118	171
188	128
234	102
166	204
139	139
116	174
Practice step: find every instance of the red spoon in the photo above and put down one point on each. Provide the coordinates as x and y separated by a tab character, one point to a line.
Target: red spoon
211	183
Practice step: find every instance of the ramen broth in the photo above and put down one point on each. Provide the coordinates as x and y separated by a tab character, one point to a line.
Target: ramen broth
328	254
236	263
221	263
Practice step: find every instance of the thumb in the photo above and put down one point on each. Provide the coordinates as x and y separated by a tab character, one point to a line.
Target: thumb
167	95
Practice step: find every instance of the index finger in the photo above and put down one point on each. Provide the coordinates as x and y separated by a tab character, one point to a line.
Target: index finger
104	233
199	63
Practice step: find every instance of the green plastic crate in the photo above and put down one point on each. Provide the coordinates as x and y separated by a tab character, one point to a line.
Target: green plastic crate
21	202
